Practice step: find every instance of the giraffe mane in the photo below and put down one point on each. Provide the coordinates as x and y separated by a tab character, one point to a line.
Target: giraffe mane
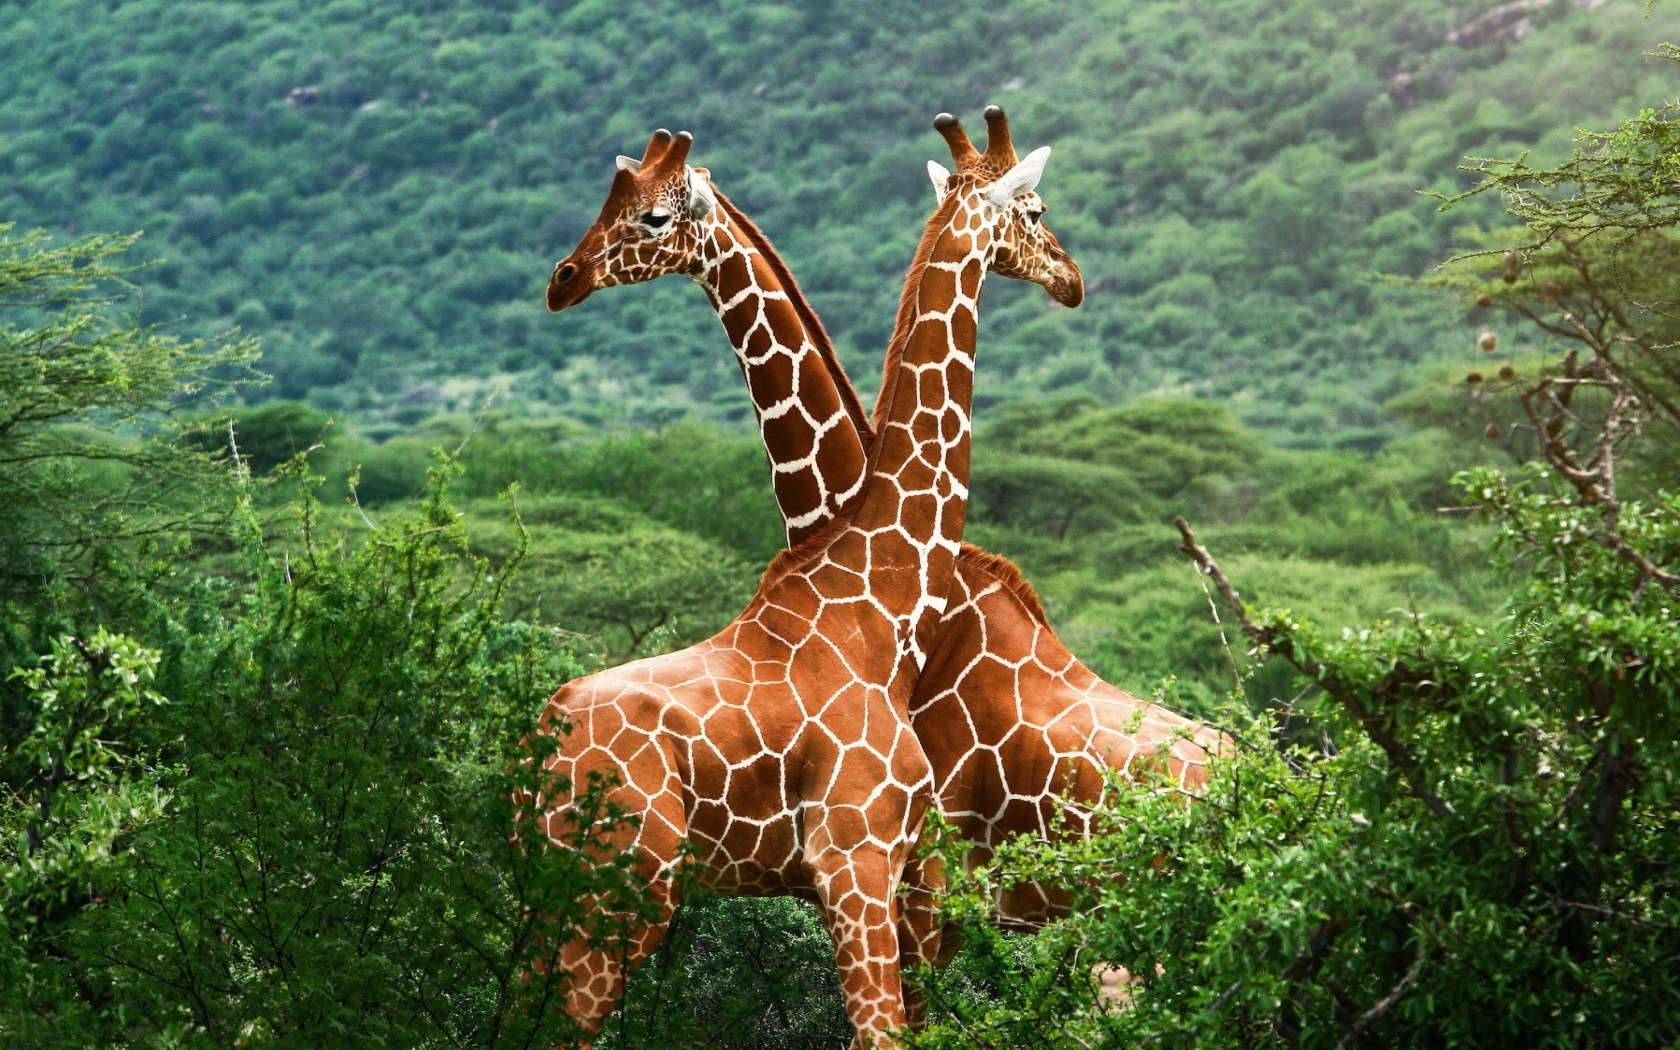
808	317
1008	575
792	558
906	318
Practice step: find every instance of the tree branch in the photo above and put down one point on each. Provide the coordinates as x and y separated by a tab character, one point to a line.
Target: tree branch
1304	967
1384	1005
1344	692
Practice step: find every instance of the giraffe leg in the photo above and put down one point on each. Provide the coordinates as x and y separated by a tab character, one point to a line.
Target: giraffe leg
855	897
595	975
922	938
596	962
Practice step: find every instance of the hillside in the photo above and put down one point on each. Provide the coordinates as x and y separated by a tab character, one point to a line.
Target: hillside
379	191
279	765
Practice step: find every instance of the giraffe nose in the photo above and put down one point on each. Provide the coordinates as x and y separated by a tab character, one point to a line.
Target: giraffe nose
1069	285
568	287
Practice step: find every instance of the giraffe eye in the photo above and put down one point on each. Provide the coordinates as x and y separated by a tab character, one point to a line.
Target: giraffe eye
657	219
1034	216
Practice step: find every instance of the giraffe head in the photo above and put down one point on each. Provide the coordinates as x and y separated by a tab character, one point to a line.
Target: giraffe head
653	223
999	191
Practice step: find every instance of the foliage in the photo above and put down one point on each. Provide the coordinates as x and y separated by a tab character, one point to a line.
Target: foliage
1081	493
379	192
84	792
256	765
1486	854
309	841
269	436
739	974
1592	271
80	390
326	852
1626	180
634	584
273	807
690	477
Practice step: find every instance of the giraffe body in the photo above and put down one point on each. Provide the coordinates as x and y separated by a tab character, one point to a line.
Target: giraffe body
732	747
781	750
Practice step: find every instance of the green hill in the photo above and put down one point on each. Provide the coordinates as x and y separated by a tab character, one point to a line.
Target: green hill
379	190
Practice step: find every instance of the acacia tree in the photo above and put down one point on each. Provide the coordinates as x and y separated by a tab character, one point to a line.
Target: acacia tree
85	460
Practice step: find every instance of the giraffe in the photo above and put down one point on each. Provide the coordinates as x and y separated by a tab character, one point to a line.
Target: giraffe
813	424
780	752
1012	723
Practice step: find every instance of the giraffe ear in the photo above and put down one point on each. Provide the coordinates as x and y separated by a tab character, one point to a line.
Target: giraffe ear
630	164
939	175
1022	178
701	201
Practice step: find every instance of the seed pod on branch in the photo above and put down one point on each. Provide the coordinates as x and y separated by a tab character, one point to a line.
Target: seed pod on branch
1511	267
1491	432
1507	373
1473	378
1551	292
1484	300
1488	341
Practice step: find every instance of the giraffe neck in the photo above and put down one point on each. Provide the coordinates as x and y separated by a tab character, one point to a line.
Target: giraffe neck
813	431
916	492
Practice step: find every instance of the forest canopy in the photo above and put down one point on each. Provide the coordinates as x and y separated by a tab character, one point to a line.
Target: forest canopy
379	190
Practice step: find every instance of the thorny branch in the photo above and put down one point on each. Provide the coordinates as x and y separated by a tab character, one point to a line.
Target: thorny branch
1626	360
1547	404
1385	1004
1342	691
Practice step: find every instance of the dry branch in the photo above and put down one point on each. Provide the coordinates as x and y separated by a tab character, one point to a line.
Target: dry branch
1383	1006
1342	691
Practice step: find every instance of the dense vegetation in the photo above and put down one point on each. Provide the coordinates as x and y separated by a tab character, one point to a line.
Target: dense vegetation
1481	847
267	652
379	190
392	651
262	804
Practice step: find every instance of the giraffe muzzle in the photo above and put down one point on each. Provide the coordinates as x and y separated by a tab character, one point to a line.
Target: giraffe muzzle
568	287
1067	286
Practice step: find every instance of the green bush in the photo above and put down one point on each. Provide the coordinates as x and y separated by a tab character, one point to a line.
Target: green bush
596	568
1481	849
309	840
1454	833
267	801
